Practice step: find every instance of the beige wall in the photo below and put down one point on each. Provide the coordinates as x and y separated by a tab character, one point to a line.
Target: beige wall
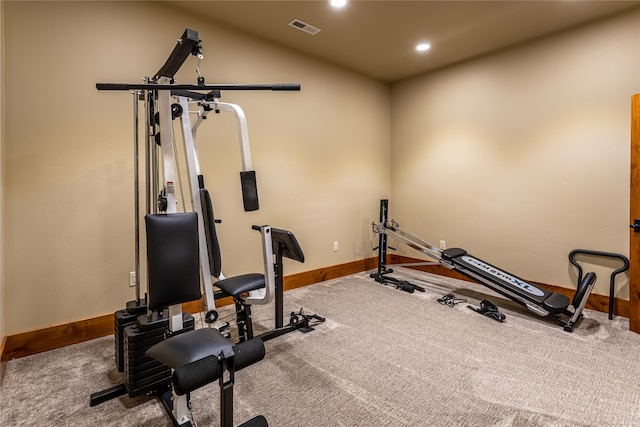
521	156
518	157
321	154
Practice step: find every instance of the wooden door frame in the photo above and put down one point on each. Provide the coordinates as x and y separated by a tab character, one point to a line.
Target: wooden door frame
634	238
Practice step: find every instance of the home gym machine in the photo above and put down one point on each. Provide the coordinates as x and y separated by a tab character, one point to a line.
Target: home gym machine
536	299
156	344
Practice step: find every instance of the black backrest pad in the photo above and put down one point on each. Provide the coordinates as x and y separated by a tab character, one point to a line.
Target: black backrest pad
285	240
583	288
215	259
172	257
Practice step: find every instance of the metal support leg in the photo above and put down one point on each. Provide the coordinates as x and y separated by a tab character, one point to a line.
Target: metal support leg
226	401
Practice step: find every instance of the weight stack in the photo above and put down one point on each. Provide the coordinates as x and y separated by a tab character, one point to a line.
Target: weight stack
121	319
142	374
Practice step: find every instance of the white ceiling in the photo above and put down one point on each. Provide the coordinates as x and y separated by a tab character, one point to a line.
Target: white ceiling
377	38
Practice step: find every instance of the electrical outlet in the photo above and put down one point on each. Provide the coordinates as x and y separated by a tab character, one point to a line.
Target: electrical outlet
443	244
336	246
132	279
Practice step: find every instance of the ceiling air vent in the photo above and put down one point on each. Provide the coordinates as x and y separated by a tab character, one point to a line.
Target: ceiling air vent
303	26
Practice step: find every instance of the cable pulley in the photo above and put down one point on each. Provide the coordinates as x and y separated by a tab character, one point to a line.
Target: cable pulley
176	110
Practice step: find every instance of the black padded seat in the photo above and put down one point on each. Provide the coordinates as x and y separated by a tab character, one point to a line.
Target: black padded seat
191	346
556	303
238	285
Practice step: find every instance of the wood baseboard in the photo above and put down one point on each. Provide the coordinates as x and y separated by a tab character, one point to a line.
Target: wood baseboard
51	338
3	364
595	302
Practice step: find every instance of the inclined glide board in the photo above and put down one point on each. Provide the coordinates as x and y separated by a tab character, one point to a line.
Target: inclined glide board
505	279
536	299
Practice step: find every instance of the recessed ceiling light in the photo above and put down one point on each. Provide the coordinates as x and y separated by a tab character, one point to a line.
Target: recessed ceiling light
338	3
423	47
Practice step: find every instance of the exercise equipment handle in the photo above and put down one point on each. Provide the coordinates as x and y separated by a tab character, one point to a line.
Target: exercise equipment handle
112	86
625	267
249	191
208	87
286	87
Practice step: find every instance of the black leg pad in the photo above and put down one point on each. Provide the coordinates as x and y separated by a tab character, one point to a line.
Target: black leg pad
195	375
247	353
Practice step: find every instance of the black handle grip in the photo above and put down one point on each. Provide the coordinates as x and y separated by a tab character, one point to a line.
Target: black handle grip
255	227
112	86
249	191
283	87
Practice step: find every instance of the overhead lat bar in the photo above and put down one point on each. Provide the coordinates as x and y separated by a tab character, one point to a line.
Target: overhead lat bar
207	87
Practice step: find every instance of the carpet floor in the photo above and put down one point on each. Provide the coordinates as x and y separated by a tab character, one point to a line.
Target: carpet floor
382	358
